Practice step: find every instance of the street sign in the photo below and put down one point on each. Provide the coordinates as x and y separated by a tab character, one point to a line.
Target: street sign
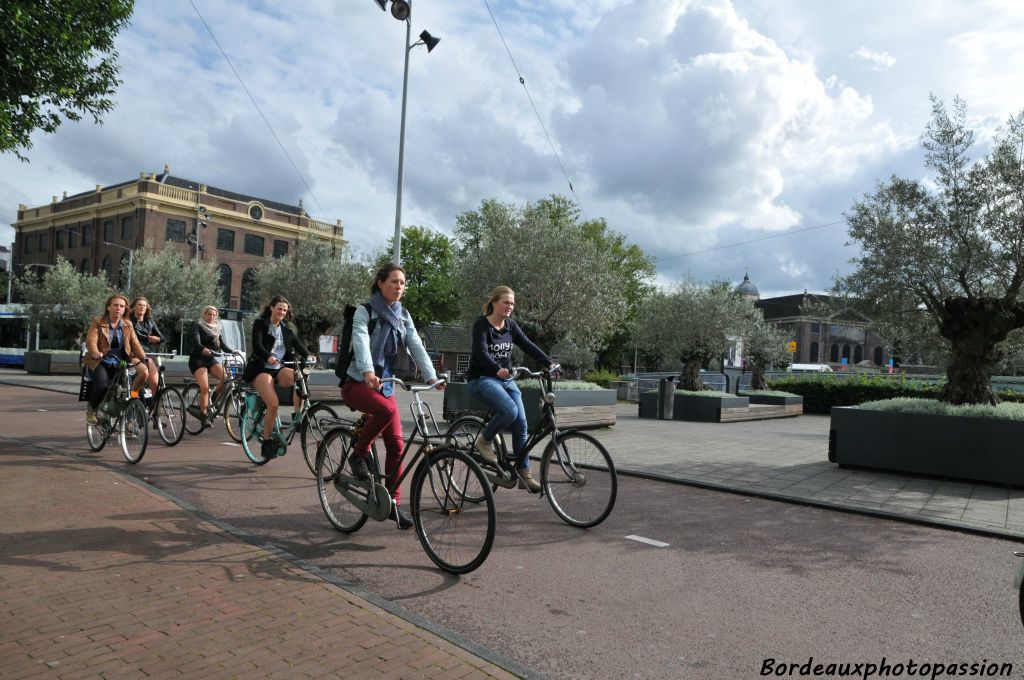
791	347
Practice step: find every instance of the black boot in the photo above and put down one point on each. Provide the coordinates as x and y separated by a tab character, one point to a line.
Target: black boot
404	521
357	464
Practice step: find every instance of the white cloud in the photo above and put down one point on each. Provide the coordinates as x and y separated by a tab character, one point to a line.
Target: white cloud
879	61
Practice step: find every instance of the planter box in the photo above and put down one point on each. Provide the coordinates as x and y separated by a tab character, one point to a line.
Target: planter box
706	409
574	409
52	363
976	449
648	405
773	400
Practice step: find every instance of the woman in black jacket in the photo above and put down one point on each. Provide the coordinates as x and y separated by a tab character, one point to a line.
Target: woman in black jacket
273	342
149	337
207	339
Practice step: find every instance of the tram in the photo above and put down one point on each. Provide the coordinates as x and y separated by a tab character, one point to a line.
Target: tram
14	335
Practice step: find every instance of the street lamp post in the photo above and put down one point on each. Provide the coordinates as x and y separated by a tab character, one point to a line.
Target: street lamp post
402	10
131	259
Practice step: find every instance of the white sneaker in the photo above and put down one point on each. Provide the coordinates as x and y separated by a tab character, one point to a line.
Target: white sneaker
485	449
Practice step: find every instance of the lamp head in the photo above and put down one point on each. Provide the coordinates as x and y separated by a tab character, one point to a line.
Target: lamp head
400	9
429	40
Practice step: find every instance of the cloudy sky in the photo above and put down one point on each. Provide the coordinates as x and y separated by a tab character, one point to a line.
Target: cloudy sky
690	125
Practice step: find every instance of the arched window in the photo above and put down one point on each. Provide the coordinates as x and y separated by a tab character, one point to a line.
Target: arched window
834	354
106	267
84	268
878	356
123	273
858	354
813	358
248	295
224	281
846	353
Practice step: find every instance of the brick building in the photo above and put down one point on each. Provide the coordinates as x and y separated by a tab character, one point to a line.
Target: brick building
96	229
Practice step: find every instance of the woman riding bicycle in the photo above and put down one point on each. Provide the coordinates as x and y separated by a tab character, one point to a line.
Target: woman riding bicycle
109	341
274	341
148	335
490	379
373	358
206	340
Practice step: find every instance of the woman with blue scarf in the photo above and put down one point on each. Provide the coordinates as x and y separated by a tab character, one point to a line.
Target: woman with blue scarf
373	358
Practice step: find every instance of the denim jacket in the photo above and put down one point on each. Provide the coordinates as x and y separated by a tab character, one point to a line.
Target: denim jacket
362	360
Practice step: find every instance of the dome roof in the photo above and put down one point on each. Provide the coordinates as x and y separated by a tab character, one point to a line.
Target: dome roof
747	288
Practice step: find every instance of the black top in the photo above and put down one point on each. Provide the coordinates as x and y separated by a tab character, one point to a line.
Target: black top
492	348
144	329
263	342
202	340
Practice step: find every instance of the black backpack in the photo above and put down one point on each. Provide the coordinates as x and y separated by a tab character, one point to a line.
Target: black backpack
345	340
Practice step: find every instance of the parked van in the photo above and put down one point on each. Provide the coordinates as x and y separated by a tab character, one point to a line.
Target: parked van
809	368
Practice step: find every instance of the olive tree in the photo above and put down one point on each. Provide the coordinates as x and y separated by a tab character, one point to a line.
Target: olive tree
567	285
63	301
954	243
764	346
177	288
691	323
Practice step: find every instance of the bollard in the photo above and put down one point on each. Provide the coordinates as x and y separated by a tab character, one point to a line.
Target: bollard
666	397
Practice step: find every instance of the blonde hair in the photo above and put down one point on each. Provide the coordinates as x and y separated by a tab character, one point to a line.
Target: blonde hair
149	306
496	295
202	314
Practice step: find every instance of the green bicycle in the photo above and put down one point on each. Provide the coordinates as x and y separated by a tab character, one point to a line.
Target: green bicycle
309	421
122	413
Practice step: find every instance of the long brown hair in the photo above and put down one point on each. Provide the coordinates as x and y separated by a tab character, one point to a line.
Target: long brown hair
383	273
274	301
149	308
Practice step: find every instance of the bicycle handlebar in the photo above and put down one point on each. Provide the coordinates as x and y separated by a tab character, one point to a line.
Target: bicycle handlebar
523	370
414	388
165	355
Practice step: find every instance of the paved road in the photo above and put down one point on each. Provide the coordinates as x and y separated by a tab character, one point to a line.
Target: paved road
741	579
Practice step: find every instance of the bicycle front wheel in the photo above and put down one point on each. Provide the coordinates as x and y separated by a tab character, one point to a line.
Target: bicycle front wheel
251	426
331	456
169	415
455	532
97	435
233	415
579	479
134	431
315	424
191	398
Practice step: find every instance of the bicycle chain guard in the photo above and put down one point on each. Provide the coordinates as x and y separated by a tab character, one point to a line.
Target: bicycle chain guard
375	502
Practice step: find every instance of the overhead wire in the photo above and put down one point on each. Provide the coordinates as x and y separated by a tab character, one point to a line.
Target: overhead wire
753	240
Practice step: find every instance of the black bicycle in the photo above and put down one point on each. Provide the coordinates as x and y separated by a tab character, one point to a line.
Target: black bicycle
228	405
167	406
122	413
457	533
576	471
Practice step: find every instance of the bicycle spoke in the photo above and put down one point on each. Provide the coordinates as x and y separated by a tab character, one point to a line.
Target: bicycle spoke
579	479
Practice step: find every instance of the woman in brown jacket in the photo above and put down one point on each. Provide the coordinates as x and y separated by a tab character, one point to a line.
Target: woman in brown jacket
110	340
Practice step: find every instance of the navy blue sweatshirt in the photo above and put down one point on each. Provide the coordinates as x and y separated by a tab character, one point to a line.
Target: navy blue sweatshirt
492	348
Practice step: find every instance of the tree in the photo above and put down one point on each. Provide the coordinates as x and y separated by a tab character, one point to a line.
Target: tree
692	324
956	249
764	346
178	288
63	301
566	285
429	265
319	286
58	60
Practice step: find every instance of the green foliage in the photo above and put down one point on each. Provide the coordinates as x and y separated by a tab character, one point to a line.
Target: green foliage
764	347
429	261
822	391
601	377
63	301
1004	411
575	385
766	393
702	393
58	62
318	283
177	287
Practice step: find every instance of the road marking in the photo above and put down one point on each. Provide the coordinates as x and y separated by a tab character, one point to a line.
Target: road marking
230	444
42	410
648	541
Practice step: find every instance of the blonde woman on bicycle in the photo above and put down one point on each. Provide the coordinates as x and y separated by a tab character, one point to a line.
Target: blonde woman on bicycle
490	379
207	339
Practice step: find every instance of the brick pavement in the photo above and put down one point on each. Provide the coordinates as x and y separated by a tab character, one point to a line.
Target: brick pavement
103	577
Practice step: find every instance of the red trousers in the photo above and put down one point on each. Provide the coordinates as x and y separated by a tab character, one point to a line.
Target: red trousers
384	422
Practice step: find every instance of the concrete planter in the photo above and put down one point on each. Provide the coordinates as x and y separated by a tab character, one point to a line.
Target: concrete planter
52	363
976	449
705	409
574	409
773	400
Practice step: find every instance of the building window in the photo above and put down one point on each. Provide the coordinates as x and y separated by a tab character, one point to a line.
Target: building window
86	235
858	354
226	239
58	239
176	231
813	358
280	248
815	327
27	246
44	242
461	364
253	245
73	237
846	353
878	356
108	231
834	354
107	269
224	278
123	274
248	302
127	227
84	267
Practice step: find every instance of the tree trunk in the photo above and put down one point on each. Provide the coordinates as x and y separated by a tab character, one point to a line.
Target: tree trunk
974	328
689	379
757	381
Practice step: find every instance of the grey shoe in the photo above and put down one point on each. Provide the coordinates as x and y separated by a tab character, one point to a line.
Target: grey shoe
485	449
526	480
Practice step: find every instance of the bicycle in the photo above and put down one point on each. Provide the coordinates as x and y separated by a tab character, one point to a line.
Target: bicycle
123	413
307	421
457	534
167	406
229	404
577	474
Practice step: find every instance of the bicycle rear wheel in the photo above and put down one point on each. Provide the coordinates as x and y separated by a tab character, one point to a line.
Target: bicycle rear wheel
579	479
251	426
331	456
456	533
191	398
233	415
462	434
169	415
134	433
312	432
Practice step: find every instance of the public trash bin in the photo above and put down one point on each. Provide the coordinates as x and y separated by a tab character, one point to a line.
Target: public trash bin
666	397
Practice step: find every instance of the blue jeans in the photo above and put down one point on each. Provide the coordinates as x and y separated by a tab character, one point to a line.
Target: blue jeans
503	397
